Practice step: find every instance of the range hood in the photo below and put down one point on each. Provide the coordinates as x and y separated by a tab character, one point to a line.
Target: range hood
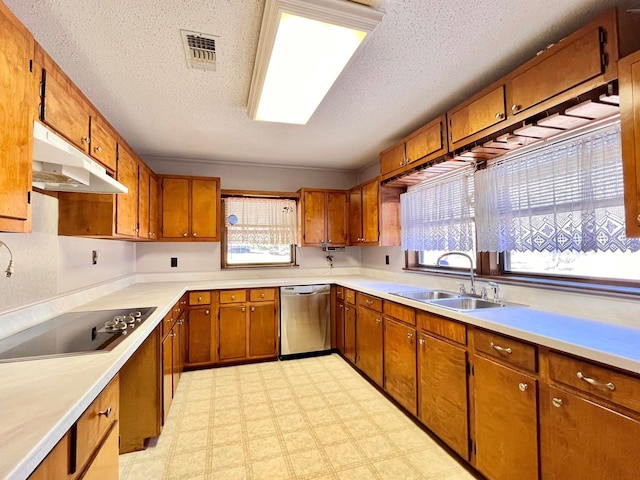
58	166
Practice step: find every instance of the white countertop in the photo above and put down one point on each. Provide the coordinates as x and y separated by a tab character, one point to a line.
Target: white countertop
41	399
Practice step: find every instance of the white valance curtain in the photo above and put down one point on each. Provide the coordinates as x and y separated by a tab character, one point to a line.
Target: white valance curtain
437	215
263	221
564	197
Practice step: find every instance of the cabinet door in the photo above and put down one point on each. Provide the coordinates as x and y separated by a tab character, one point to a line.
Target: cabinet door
370	225
566	66
167	375
232	333
127	203
350	333
355	216
337	218
629	72
175	207
392	159
144	195
442	391
104	143
16	122
64	109
400	363
56	463
486	111
582	439
154	201
427	141
200	336
204	204
105	464
313	217
369	343
263	330
340	327
506	422
178	332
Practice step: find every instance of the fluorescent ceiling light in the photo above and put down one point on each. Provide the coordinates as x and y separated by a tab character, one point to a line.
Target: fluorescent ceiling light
304	46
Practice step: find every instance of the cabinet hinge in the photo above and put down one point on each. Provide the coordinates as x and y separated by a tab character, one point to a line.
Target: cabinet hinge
470	370
42	111
31	65
603	36
604	58
472	447
29	197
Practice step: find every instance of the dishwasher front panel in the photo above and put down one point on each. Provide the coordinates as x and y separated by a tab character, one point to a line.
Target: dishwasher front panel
305	327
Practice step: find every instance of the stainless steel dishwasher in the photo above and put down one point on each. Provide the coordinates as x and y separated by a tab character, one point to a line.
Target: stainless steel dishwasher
305	327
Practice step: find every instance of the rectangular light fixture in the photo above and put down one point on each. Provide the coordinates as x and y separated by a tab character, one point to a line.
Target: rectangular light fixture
304	45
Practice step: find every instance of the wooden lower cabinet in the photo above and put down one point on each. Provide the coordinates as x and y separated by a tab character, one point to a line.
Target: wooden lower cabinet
350	316
369	343
167	375
400	363
339	326
583	439
505	421
247	325
442	391
200	337
56	464
105	464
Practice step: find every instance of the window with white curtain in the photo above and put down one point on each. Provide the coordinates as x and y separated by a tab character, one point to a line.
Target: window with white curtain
259	231
559	210
438	216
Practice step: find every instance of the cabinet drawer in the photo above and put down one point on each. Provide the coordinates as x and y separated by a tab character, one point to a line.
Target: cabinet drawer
507	349
233	296
400	312
350	296
167	323
368	301
595	379
340	292
96	421
199	298
262	294
443	327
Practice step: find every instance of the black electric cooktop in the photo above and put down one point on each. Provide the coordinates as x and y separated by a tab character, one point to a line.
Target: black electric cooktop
74	333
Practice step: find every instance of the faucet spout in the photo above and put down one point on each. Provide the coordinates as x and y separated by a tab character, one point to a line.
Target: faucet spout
471	274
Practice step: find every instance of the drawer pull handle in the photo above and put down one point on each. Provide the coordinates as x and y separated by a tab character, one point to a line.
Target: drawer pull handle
369	302
596	383
557	402
500	349
106	412
523	387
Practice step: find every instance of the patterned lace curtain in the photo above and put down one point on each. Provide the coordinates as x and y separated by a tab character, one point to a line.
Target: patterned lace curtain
563	197
438	214
262	221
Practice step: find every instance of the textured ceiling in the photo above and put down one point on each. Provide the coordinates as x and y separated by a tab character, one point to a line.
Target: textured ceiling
426	56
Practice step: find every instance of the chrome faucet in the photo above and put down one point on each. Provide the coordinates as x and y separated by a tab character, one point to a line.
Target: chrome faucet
471	275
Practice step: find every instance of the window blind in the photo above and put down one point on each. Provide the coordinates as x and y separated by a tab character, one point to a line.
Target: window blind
263	221
567	196
437	215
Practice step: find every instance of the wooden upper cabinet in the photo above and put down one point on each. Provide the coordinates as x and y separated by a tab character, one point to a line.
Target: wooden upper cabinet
421	146
567	65
104	142
629	72
154	203
370	213
17	91
144	201
190	208
127	204
393	159
355	216
324	217
473	117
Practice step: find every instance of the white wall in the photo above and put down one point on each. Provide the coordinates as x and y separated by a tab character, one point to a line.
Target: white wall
47	265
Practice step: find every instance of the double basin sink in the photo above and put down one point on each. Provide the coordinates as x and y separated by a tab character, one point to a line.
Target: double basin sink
452	301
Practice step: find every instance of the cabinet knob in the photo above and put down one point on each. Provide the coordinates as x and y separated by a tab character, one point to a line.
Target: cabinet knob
422	341
523	387
244	309
207	312
169	320
638	218
106	412
85	139
199	299
233	297
515	108
98	149
194	234
409	335
499	115
172	334
557	402
253	309
341	306
378	320
262	295
184	234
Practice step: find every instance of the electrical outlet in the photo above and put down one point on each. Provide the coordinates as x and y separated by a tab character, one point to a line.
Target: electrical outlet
174	262
386	259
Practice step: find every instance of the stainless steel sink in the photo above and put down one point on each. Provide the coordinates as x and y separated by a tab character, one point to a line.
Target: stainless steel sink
426	295
468	303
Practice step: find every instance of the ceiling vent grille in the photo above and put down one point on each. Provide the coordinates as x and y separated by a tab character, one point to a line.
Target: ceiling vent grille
201	50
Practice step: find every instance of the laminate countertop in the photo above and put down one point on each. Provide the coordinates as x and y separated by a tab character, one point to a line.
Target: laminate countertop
41	399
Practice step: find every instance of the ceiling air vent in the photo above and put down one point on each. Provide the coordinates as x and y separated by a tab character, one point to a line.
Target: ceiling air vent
200	49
